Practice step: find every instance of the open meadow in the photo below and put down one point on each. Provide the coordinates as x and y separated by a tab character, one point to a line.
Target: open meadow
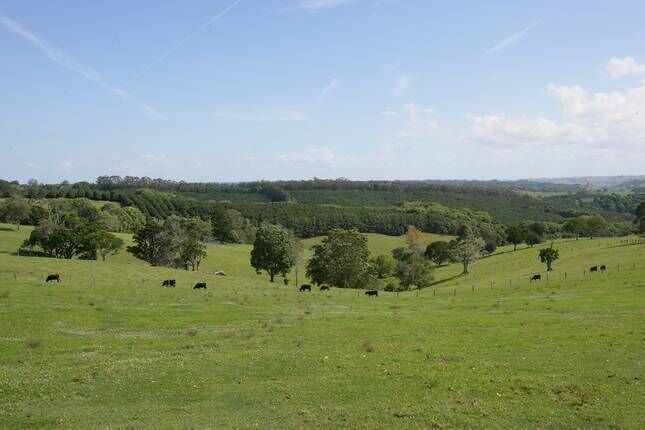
108	347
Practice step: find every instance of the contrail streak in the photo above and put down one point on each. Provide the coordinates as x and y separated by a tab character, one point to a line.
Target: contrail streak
181	42
63	60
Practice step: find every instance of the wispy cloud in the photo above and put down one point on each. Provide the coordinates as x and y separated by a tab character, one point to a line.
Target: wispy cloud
512	38
401	85
177	45
62	59
320	4
278	114
330	86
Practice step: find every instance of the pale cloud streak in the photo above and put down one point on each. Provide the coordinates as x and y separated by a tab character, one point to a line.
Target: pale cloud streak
178	45
330	87
512	38
313	5
63	60
626	66
420	122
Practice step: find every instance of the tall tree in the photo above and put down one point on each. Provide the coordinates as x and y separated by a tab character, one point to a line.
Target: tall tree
515	234
414	271
341	259
548	256
273	250
595	225
412	237
640	217
154	243
191	248
467	250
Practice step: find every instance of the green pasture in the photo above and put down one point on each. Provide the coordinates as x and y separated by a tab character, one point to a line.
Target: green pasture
109	348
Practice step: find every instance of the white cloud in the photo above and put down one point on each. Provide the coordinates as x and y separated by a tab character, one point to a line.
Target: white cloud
602	121
321	4
626	66
329	87
62	59
420	122
501	130
513	38
278	114
401	85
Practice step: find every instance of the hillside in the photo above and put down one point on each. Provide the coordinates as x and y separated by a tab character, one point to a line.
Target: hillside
109	347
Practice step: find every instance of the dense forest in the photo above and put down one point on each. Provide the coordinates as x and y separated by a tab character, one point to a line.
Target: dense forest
313	207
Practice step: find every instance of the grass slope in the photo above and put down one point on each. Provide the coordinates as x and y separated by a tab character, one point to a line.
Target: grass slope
109	348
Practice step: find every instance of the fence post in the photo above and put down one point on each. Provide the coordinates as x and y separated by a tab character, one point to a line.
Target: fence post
454	293
473	288
434	292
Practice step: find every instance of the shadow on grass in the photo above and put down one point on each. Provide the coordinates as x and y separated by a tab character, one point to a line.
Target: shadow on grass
7	229
443	281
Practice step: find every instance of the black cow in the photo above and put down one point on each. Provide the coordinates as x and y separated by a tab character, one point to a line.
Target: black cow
593	269
603	268
54	277
305	287
200	286
536	278
372	293
169	283
324	287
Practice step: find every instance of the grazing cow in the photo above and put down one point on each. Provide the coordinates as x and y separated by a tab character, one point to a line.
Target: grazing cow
200	286
535	278
305	287
324	287
169	283
54	277
603	268
593	269
372	293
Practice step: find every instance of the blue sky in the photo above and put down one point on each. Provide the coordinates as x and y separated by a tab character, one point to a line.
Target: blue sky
232	90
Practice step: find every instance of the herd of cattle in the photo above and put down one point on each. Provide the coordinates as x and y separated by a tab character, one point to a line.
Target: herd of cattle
591	269
172	283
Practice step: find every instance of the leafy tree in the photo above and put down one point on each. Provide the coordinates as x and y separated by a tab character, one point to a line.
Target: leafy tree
595	224
107	244
640	217
342	260
191	248
273	250
412	237
15	210
154	243
515	234
548	256
382	265
414	271
467	250
439	252
69	236
230	226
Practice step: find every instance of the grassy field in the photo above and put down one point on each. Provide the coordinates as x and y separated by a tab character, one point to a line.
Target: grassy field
109	348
